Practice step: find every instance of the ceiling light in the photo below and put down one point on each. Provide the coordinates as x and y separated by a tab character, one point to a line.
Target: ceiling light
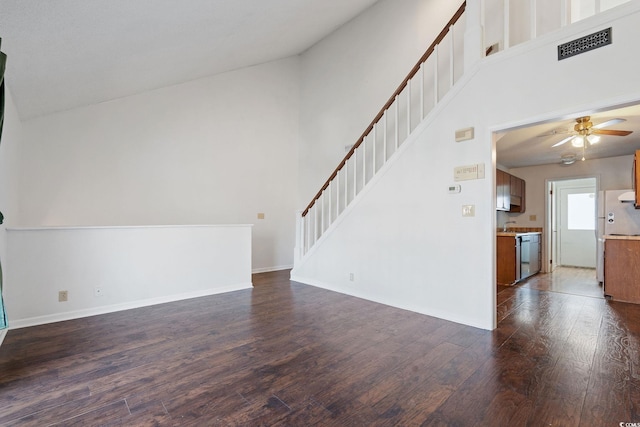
568	159
577	141
593	139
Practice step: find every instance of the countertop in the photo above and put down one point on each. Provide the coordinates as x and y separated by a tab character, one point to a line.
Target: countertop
519	233
617	237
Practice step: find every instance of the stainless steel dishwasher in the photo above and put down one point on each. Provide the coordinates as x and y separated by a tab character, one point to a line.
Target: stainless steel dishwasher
529	255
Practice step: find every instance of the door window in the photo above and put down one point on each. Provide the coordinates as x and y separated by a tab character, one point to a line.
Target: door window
580	211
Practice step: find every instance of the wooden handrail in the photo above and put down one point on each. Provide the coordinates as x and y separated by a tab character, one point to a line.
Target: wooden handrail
388	104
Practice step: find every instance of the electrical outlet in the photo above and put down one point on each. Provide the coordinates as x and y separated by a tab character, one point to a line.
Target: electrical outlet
351	278
63	296
97	291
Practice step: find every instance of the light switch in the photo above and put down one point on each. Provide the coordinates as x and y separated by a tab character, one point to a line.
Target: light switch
468	210
532	217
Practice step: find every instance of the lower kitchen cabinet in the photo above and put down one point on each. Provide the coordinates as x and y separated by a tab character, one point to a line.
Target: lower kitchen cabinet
508	260
622	269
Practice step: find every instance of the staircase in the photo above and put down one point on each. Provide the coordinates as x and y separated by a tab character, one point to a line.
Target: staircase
426	85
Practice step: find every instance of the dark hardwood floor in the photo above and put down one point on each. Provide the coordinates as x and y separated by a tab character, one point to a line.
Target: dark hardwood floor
286	354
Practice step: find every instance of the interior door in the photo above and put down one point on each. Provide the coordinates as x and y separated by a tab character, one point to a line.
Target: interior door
577	215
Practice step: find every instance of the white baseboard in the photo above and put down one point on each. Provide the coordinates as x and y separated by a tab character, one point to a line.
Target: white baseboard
3	333
60	317
270	269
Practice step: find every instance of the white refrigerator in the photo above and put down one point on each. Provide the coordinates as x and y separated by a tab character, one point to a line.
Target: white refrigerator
615	217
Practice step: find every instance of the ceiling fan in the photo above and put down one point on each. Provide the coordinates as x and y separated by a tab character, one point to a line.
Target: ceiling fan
585	131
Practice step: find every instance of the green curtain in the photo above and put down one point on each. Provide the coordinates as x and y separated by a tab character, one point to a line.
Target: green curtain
3	62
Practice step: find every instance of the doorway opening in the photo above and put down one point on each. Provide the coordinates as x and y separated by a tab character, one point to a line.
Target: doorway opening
572	245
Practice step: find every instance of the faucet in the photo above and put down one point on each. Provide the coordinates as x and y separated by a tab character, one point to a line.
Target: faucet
504	227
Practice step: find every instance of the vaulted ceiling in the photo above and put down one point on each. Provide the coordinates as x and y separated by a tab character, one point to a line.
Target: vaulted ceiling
64	54
68	53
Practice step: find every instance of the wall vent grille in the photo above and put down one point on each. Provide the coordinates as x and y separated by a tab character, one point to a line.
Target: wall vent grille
584	44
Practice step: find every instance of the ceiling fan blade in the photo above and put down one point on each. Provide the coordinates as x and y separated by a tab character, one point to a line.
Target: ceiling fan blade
609	123
612	132
557	144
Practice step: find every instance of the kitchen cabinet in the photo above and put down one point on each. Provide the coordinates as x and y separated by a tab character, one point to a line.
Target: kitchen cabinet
510	192
517	190
622	268
503	191
508	260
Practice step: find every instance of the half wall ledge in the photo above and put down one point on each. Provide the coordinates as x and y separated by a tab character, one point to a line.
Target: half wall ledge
106	269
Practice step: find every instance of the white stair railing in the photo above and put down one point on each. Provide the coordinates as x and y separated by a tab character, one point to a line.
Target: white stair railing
529	19
430	79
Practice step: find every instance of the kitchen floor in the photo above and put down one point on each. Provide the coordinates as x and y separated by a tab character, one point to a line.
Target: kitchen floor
567	280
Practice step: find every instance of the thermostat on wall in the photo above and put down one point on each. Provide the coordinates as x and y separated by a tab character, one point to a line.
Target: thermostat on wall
453	189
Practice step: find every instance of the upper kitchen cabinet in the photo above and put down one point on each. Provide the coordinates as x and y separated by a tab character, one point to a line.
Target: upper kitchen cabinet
510	192
503	190
517	194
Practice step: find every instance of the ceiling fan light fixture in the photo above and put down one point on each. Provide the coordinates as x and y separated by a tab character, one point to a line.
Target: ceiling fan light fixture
593	139
577	141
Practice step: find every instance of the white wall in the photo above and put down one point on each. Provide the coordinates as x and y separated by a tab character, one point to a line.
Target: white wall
406	240
348	76
133	266
217	150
